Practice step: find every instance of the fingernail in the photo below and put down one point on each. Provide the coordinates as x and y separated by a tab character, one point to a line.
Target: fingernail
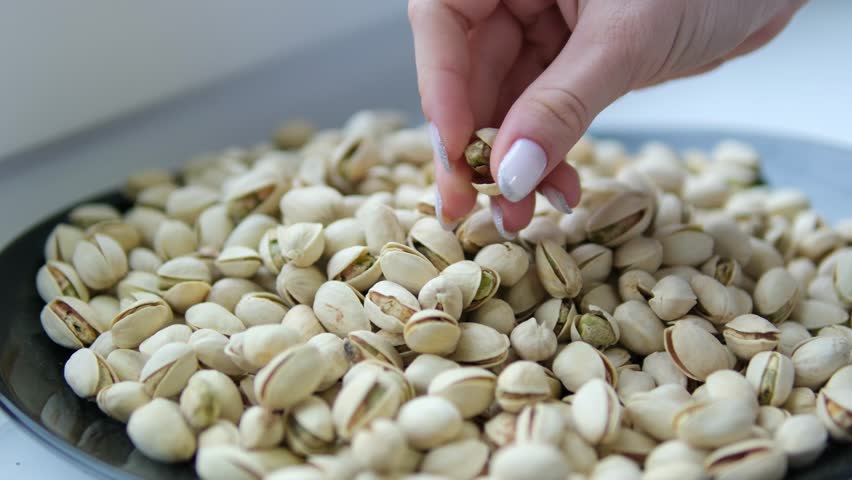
497	215
556	199
438	146
521	169
439	214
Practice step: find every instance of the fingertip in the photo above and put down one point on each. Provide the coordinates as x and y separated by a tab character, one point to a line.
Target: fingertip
512	217
562	187
455	197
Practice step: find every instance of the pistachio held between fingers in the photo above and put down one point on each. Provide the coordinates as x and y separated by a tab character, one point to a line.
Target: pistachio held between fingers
477	154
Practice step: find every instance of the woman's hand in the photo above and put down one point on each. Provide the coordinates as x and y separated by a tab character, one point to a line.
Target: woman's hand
541	70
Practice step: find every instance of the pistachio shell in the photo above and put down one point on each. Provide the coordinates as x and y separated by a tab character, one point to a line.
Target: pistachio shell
557	270
405	266
339	309
439	246
355	266
694	351
622	217
477	284
508	259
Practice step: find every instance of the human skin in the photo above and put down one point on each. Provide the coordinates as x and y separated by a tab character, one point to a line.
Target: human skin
542	70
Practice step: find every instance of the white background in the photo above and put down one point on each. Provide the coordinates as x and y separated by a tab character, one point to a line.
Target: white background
69	65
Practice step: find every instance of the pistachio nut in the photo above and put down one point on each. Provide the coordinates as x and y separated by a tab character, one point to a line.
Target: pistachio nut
499	430
261	343
729	241
238	261
791	333
172	333
581	456
640	253
661	366
477	231
442	294
478	156
477	284
381	226
557	270
127	364
842	276
641	329
174	238
208	397
103	344
594	262
222	432
597	412
119	400
331	348
747	335
423	369
143	259
62	242
541	228
540	423
183	269
653	411
380	446
168	370
260	308
631	382
725	270
87	373
480	346
470	389
290	377
526	295
139	320
91	213
100	262
461	459
429	421
406	266
603	297
355	266
313	204
361	345
580	362
209	347
432	331
635	285
816	314
508	259
71	322
803	438
159	431
684	244
56	279
186	203
764	258
630	443
520	384
230	462
250	231
574	226
339	308
439	246
748	459
302	319
671	298
308	427
390	372
346	232
261	428
620	218
297	285
213	227
770	418
252	192
694	351
715	423
834	408
213	316
714	301
557	314
525	460
367	397
801	400
533	340
776	295
817	358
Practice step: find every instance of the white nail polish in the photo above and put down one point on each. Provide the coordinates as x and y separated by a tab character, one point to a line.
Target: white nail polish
446	225
497	215
438	146
556	199
521	169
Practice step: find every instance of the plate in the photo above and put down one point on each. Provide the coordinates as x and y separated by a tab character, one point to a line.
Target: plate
34	394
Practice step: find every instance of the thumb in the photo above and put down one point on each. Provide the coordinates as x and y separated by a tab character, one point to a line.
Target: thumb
556	109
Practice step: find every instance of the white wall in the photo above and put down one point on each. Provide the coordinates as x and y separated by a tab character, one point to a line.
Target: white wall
65	65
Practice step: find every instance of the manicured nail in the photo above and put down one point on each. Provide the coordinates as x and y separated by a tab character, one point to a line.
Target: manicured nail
439	214
556	199
438	146
497	215
521	169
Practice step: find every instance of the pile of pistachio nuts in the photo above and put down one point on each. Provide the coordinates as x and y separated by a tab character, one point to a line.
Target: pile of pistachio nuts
294	310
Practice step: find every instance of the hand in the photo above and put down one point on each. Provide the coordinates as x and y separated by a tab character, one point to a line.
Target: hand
541	70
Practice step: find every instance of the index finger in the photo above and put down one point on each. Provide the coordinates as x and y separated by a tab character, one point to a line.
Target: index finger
442	56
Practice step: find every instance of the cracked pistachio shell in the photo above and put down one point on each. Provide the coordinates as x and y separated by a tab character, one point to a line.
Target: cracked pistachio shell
640	253
725	270
764	257
365	398
540	423
714	301
91	213
470	389
526	295
127	364
405	266
395	375
661	366
308	427
439	246
183	269
671	298
603	296
747	460
834	408
477	284
641	331
234	351
260	308
432	331
361	345
100	262
726	384
478	231
121	399
213	227
817	358
56	279
159	431
238	261
636	285
497	314
290	377
355	266
380	446
339	308
770	418
186	294
801	400
156	196
632	382
499	430
729	240
261	343
166	373
520	384
440	293
716	422
694	351
557	270
139	320
71	322
313	204
136	282
791	333
654	410
841	378
842	276
803	438
332	350
776	295
302	243
597	412
461	459
122	232
684	244
215	317
230	462
478	156
144	259
352	159
172	333
815	314
87	373
389	306
209	347
147	221
622	217
533	340
526	460
594	261
425	368
579	362
62	242
381	226
346	232
261	428
252	192
597	328
249	232
630	443
208	397
271	250
174	239
103	344
429	421
620	358
480	346
302	319
747	335
297	285
187	203
541	228
508	259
